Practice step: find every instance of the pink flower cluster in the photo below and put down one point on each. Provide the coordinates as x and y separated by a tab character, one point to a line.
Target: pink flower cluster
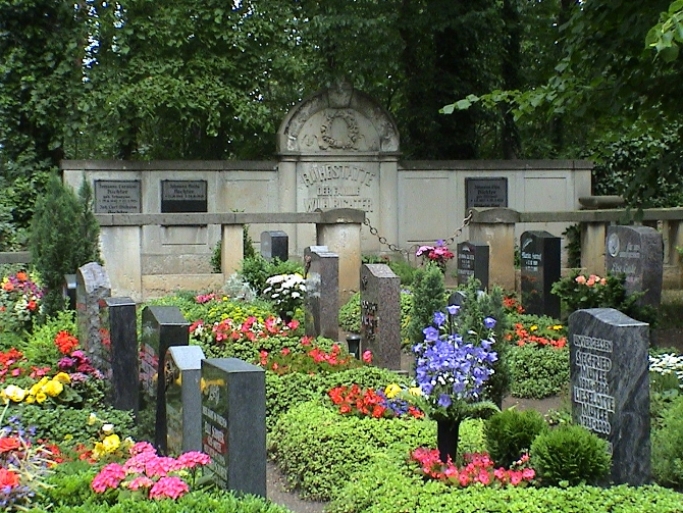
439	253
478	468
149	473
593	279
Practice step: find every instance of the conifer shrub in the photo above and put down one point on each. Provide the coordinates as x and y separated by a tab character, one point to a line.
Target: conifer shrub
510	433
428	297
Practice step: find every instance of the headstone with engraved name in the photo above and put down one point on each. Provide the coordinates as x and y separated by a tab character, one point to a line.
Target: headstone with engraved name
92	288
162	327
234	424
183	373
541	266
118	197
380	310
473	262
275	244
322	292
184	196
610	387
486	192
637	252
120	344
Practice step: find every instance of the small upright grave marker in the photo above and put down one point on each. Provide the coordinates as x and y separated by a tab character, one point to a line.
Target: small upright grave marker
610	387
637	252
162	327
322	292
234	424
473	261
540	254
275	244
92	287
183	372
380	306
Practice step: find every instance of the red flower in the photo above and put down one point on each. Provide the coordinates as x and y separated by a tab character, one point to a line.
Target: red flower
66	342
8	479
9	443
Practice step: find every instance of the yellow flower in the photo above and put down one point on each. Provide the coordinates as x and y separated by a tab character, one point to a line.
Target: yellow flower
111	443
62	377
392	390
416	391
53	388
15	393
92	419
43	381
30	399
533	328
41	397
558	327
68	437
98	450
35	389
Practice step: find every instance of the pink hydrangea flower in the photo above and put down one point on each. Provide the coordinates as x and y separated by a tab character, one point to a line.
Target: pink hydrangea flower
140	482
110	476
193	458
169	488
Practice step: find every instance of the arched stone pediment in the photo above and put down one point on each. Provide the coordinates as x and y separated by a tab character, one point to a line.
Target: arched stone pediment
338	119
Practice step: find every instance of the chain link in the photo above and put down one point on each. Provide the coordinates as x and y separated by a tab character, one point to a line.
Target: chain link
407	252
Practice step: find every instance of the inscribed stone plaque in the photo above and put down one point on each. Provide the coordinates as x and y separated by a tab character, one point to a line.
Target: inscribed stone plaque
275	244
183	196
637	252
610	387
486	192
234	424
473	262
380	307
162	327
118	197
92	288
540	254
120	343
183	372
322	292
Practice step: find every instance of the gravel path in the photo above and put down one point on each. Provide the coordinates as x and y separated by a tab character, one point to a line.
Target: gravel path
277	492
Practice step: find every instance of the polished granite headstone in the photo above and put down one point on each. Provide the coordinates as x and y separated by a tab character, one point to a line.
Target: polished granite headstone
380	310
322	292
638	253
275	244
92	288
183	373
234	424
610	391
473	262
120	342
162	327
541	267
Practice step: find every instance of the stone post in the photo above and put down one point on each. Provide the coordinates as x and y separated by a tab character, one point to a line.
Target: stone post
125	273
593	247
232	249
496	227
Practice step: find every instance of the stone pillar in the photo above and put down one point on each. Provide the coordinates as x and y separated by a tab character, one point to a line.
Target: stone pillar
496	227
388	202
593	247
125	273
287	195
339	230
232	249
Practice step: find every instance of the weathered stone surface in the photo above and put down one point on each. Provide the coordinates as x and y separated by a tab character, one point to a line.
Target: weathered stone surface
380	305
92	288
610	387
322	292
541	266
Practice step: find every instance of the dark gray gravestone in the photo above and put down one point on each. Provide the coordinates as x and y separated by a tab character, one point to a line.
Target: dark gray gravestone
638	253
473	262
486	192
92	288
120	344
275	244
322	292
380	314
69	291
610	387
234	424
183	399
541	265
162	327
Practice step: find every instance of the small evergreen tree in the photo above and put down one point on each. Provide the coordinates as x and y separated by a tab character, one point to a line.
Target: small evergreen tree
89	247
428	297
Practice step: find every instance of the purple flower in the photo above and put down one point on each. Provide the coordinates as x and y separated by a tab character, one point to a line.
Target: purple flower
439	318
489	323
431	334
453	309
444	400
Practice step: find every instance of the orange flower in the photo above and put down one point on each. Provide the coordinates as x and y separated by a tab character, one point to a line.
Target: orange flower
22	276
9	443
8	479
8	286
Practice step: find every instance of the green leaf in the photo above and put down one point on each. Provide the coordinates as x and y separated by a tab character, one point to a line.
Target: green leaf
447	109
670	53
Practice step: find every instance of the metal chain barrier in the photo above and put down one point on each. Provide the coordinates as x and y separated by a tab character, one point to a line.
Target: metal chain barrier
411	250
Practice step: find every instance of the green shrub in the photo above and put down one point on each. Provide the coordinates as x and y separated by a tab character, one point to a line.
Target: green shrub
428	297
256	270
510	433
40	348
537	372
667	446
570	454
349	314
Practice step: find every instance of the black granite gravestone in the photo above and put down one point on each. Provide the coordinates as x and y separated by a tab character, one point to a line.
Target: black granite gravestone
183	399
275	244
69	291
380	314
234	424
322	292
184	196
473	262
162	327
610	387
92	288
638	253
541	265
120	344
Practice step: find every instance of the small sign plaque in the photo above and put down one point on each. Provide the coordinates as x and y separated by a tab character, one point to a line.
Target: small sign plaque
117	197
183	196
486	192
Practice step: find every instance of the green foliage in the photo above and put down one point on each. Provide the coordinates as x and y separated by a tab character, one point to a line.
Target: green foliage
537	371
510	433
667	446
69	485
256	270
428	297
572	236
40	348
88	249
570	454
667	35
248	251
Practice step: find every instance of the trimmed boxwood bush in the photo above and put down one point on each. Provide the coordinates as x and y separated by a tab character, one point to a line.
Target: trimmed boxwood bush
537	372
667	446
510	433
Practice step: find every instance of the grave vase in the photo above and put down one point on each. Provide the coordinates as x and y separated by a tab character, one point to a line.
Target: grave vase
447	434
285	316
